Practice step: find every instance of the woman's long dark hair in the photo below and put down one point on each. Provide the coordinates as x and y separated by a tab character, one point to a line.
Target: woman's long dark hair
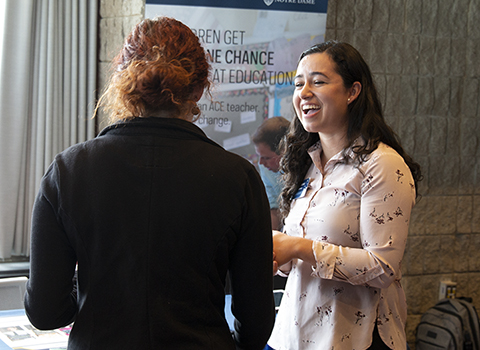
365	119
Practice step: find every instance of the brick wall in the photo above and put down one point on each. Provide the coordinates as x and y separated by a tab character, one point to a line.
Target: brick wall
117	18
425	56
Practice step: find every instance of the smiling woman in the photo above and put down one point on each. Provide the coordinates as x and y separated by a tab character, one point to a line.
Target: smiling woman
321	100
349	191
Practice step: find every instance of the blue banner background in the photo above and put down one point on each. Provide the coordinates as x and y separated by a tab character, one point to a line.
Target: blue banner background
318	6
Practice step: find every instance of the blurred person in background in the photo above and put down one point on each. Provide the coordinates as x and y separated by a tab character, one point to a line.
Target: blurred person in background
266	139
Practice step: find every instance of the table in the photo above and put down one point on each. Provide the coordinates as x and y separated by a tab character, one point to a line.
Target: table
16	332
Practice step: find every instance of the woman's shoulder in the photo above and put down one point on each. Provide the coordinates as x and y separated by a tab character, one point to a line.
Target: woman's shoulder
385	150
238	161
79	151
384	156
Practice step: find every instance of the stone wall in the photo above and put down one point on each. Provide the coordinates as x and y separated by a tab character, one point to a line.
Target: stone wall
425	57
117	18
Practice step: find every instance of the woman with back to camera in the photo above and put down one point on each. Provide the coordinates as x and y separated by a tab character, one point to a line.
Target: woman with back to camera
349	191
155	213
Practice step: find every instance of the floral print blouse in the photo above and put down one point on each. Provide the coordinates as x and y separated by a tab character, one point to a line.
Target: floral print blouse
357	218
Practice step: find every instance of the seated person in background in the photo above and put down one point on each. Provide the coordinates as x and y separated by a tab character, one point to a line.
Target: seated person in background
266	139
156	214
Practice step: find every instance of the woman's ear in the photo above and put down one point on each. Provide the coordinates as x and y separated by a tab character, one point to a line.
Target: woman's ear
354	91
197	93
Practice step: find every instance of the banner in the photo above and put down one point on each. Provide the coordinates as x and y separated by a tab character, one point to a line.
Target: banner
254	47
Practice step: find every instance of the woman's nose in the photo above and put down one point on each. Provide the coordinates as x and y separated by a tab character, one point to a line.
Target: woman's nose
305	92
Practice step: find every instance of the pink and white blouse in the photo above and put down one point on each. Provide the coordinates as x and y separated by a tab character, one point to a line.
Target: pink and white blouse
357	218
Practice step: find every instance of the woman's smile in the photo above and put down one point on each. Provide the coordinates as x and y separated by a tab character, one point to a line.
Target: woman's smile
309	109
320	97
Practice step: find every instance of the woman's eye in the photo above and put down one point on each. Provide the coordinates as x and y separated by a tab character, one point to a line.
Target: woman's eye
298	84
319	82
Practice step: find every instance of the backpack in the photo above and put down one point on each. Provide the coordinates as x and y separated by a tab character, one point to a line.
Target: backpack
452	324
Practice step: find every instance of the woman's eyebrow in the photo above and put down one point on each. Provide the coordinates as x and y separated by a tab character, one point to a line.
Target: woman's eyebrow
311	74
318	73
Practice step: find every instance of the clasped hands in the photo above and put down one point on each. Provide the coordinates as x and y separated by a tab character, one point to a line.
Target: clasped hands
286	248
282	250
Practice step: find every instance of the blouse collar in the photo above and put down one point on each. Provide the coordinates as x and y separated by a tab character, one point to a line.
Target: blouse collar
315	152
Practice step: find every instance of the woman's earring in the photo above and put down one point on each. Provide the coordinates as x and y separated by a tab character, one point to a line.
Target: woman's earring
196	110
348	101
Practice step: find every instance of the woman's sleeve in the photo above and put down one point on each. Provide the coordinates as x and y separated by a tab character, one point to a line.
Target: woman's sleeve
251	270
388	195
50	299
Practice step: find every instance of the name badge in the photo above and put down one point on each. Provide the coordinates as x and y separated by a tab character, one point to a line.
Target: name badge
303	189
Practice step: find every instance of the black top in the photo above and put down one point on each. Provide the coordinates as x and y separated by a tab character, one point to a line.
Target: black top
155	214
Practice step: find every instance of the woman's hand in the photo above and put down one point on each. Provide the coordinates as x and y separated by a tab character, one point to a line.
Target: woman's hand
282	248
286	248
275	265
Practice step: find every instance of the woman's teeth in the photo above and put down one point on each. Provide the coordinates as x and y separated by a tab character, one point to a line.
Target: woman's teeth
307	108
